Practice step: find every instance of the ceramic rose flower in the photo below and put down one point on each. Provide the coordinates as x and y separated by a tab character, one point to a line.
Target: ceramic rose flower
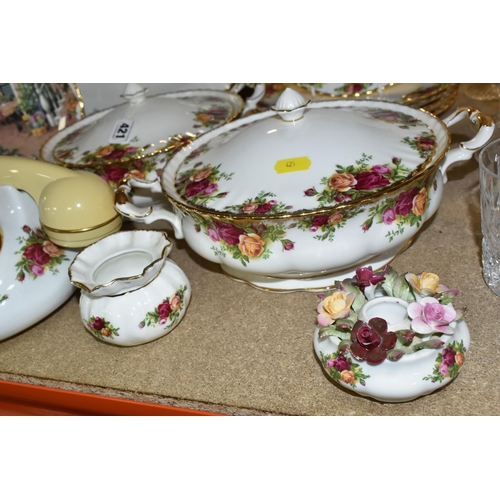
199	175
428	284
429	316
371	341
105	151
251	245
52	249
342	182
335	306
420	202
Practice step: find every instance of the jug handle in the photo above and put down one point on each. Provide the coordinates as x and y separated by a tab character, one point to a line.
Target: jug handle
125	207
465	150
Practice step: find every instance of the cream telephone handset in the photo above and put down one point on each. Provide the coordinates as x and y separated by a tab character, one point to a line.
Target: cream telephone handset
76	207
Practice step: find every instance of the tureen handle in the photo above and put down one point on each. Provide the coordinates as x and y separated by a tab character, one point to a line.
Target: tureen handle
466	149
125	207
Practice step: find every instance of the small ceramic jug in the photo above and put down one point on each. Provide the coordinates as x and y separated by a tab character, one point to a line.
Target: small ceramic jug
131	292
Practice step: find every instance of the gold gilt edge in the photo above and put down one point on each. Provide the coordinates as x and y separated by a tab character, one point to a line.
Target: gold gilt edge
409	98
233	114
163	255
79	97
82	230
437	98
438	107
320	288
420	171
345	96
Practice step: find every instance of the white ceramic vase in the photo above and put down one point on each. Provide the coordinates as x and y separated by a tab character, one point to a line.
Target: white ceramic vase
131	292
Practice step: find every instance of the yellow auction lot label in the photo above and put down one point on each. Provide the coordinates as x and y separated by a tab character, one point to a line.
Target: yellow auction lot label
292	165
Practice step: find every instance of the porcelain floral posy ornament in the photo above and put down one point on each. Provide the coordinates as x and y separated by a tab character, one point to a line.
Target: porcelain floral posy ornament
391	337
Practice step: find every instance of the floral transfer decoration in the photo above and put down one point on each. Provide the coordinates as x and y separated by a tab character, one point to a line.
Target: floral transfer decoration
202	149
212	116
244	241
424	144
102	328
399	118
448	362
38	255
352	88
200	184
138	169
263	204
398	212
167	313
109	153
343	368
431	317
355	181
325	226
3	298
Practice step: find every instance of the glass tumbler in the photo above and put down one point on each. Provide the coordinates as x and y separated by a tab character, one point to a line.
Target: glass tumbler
489	174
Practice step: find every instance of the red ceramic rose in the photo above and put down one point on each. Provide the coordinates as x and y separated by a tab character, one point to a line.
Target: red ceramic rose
371	341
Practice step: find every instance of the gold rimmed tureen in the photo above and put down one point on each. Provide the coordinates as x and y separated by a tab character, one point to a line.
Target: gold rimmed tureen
300	195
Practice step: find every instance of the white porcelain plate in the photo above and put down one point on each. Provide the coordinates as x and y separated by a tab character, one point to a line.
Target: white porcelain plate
33	271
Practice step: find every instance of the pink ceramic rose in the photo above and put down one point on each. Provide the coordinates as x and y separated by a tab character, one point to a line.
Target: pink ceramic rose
366	181
404	202
229	233
429	316
164	309
36	253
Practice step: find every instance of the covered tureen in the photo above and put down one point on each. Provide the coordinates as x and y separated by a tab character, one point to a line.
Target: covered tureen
302	194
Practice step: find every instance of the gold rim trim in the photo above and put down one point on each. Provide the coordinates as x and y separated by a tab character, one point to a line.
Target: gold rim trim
416	96
290	110
421	103
82	230
345	96
81	105
429	106
315	289
182	143
417	175
124	278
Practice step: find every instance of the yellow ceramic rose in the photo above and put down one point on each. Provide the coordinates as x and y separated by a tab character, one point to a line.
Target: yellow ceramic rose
251	245
51	249
199	175
337	305
347	377
420	202
342	182
425	283
104	151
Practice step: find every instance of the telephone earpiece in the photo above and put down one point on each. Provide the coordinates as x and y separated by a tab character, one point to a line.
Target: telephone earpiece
76	207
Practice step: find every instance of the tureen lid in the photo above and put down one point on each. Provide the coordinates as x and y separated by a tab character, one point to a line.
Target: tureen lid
304	157
144	126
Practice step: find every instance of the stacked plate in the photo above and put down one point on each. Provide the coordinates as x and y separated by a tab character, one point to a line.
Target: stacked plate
433	97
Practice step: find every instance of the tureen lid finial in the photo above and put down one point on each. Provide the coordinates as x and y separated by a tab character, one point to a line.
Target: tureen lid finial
134	92
290	105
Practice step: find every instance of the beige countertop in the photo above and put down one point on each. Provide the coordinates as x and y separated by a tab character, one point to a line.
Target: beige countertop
243	351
